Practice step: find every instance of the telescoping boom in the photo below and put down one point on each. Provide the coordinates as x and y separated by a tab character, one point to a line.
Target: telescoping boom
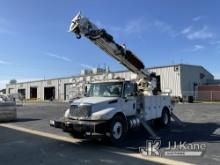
82	26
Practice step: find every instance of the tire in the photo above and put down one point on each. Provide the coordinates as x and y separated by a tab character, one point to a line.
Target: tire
117	129
165	118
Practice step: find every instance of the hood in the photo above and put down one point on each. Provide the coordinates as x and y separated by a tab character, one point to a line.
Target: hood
93	100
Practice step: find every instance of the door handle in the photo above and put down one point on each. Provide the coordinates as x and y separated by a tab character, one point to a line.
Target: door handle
134	106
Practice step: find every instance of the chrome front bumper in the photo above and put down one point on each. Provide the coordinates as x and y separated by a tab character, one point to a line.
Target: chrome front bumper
81	126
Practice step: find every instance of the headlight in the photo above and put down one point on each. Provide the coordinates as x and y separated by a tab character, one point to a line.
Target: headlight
67	113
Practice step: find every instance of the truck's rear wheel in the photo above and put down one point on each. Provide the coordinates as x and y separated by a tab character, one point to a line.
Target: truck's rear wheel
117	129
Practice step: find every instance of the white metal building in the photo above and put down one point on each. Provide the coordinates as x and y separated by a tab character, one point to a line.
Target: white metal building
182	79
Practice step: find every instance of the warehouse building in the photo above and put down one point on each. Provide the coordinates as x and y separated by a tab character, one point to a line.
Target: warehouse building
182	79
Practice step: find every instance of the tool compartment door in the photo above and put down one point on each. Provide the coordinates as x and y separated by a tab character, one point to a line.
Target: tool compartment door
153	106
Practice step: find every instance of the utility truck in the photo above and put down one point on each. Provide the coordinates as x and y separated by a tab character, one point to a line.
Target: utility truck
114	107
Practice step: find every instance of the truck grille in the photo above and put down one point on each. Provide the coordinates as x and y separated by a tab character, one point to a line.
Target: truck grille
82	111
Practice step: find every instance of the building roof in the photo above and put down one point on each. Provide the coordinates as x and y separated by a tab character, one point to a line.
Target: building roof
77	76
180	64
165	66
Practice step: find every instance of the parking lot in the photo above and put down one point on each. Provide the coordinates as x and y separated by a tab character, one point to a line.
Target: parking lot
32	139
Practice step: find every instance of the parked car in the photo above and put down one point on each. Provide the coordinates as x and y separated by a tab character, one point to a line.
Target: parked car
7	109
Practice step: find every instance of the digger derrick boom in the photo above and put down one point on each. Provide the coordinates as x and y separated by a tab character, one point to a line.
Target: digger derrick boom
83	26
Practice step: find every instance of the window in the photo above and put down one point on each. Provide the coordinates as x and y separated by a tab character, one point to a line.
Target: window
107	89
201	76
129	89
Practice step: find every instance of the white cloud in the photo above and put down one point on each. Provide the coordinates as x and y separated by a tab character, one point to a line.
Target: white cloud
198	18
87	66
63	58
197	47
162	25
165	28
139	26
2	62
136	26
187	30
201	34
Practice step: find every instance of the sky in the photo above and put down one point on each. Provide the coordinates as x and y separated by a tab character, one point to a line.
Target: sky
35	42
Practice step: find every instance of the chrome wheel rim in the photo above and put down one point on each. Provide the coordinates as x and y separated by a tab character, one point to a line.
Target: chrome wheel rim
117	130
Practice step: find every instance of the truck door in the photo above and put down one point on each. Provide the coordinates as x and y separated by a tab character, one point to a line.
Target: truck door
129	99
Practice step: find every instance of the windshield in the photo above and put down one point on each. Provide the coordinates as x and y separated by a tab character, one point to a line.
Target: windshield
107	89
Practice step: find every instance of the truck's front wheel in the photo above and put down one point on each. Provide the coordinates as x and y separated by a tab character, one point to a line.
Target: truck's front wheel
117	129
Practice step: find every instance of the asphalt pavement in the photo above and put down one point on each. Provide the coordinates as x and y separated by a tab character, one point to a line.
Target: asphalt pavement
202	126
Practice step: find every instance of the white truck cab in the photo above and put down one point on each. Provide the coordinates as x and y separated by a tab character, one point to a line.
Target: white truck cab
112	108
108	98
